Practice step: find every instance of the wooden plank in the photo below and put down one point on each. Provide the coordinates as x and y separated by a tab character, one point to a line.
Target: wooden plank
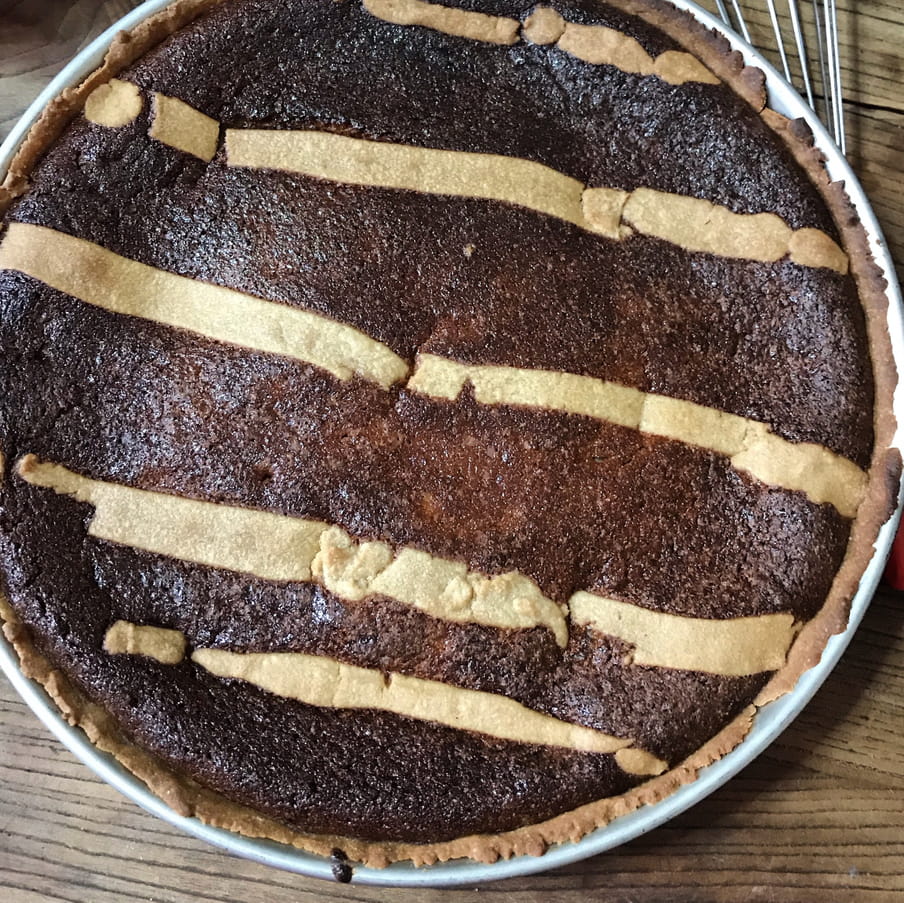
876	152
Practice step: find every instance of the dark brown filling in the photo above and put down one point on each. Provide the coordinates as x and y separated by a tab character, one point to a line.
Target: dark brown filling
328	770
569	501
482	282
254	62
572	502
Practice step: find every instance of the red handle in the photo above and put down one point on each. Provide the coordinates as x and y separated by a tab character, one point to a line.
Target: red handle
894	569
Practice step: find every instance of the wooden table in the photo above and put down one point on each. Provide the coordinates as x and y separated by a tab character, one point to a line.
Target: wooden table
820	816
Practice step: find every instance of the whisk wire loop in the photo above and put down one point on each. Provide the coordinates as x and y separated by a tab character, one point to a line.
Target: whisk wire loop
824	16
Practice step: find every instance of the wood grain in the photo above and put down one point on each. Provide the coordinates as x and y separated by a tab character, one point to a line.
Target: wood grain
872	64
820	816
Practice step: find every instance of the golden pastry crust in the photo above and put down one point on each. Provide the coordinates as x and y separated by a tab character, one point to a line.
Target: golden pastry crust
188	798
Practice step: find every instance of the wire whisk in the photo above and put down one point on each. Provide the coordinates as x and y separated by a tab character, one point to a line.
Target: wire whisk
824	18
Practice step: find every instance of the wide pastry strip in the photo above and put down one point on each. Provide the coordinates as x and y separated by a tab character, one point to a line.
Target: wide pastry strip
733	647
442	588
320	681
256	542
328	683
690	223
698	225
278	547
460	23
101	278
751	446
595	44
292	549
600	45
355	161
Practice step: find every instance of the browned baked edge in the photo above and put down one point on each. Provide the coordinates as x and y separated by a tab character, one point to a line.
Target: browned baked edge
188	798
885	467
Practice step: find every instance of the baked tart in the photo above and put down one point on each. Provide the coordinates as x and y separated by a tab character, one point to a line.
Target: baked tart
430	429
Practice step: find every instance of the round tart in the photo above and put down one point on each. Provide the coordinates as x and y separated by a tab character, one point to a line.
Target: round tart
430	430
